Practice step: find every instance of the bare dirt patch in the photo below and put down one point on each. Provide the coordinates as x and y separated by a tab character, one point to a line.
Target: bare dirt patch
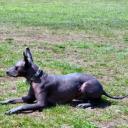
8	84
6	79
31	34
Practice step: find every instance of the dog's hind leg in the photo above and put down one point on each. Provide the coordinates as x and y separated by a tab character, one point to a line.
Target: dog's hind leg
91	92
91	103
84	105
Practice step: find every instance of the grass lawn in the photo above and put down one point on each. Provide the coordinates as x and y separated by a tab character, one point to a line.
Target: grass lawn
66	36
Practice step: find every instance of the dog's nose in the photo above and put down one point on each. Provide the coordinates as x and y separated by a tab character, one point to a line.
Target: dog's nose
7	72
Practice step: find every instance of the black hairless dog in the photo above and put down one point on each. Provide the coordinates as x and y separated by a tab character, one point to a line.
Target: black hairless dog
48	89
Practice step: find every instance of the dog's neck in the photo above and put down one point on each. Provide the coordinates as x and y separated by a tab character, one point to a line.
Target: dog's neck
36	76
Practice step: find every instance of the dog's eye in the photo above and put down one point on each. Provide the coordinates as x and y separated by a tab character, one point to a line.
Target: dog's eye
16	67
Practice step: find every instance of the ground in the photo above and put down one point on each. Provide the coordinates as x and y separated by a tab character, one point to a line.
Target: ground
65	37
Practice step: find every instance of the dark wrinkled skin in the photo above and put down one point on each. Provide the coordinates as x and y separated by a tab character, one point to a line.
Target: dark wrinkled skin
53	89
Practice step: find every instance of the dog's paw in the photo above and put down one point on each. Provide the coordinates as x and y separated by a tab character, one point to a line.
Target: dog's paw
12	111
3	102
8	113
83	105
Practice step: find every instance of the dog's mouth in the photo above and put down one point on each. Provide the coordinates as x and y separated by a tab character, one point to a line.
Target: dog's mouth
11	74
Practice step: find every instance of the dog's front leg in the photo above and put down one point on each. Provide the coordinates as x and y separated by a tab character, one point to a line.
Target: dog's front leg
25	99
28	107
12	101
41	103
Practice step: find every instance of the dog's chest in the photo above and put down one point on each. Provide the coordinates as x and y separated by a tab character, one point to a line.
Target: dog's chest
36	88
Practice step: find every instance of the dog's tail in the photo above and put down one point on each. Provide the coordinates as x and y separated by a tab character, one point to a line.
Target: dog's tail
114	97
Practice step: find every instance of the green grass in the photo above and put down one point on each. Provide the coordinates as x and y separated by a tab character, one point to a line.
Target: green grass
65	37
103	17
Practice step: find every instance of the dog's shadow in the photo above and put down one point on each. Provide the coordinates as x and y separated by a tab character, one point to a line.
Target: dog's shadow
102	103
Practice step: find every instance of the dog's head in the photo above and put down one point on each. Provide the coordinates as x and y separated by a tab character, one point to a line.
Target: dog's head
23	68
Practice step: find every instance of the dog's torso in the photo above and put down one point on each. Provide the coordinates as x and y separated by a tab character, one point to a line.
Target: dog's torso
63	88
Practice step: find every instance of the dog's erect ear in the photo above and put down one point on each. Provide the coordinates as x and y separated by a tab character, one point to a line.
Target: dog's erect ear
27	55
